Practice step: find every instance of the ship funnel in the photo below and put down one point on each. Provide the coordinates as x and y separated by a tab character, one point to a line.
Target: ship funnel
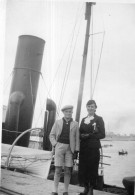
23	88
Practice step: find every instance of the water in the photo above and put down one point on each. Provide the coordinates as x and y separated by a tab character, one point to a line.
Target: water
121	165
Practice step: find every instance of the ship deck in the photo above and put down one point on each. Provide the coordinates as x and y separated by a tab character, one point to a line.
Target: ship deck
18	183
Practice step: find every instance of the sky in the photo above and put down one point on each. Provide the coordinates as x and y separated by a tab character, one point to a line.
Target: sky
62	25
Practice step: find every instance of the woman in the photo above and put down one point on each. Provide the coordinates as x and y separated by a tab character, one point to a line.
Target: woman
91	131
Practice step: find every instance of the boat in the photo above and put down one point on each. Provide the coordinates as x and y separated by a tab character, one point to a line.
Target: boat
123	152
31	161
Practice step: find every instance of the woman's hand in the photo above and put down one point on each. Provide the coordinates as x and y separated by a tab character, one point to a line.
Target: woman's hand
84	136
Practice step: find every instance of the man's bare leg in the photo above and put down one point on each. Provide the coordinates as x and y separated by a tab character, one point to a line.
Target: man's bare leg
57	174
67	177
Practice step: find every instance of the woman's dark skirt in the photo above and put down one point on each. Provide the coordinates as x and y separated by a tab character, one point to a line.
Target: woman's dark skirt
88	165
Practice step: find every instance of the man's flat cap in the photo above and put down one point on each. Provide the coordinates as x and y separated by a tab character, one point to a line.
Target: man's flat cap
67	107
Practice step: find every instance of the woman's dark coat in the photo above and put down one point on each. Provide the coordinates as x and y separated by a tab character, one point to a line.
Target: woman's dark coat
89	149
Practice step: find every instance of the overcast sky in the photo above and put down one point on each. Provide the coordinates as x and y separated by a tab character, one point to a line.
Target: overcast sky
55	22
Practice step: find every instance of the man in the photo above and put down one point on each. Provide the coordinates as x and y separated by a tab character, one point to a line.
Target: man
64	137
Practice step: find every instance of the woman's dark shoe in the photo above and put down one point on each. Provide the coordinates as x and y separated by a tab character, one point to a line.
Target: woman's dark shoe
54	193
90	192
65	193
86	190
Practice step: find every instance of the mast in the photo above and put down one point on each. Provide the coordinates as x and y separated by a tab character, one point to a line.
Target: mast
87	17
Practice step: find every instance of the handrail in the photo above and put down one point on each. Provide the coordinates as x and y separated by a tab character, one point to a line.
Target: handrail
13	144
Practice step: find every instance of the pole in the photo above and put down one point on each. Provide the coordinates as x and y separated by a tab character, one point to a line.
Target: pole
45	129
48	123
87	17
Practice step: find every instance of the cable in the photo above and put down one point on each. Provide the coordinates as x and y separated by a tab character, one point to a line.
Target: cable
68	66
97	33
6	84
71	59
19	131
101	50
98	64
58	66
48	95
65	49
48	92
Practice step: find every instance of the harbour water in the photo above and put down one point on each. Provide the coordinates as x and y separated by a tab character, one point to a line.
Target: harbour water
121	165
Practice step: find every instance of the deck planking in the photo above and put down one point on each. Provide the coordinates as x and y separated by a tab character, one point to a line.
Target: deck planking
29	185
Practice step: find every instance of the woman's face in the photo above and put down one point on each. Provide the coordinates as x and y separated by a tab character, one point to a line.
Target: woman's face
91	109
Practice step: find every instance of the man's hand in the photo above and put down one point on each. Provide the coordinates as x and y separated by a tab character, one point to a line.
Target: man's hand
75	155
53	150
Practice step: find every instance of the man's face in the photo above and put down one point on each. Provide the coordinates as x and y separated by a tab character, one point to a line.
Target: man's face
68	113
91	109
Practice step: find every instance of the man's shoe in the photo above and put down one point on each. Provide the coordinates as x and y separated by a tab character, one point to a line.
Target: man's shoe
54	193
65	193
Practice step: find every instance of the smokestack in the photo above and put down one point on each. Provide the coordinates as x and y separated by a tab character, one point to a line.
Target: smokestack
25	82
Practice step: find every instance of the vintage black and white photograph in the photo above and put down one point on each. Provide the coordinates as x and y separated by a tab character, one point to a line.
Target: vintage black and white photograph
67	97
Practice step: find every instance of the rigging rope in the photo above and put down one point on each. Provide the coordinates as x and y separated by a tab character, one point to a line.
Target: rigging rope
98	64
100	53
7	82
71	59
59	66
97	33
64	52
60	101
68	65
20	131
22	162
48	92
48	95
